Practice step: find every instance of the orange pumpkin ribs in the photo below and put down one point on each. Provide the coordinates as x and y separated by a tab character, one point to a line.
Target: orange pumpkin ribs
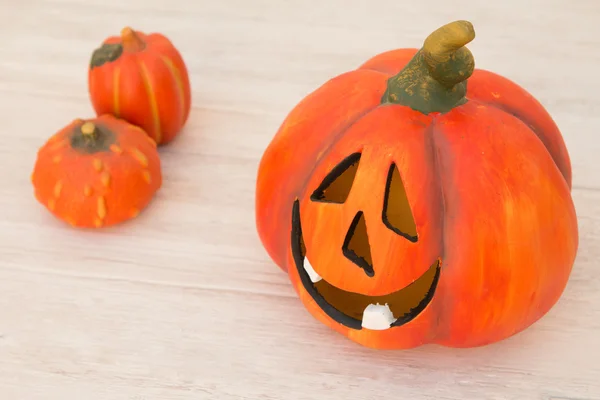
143	79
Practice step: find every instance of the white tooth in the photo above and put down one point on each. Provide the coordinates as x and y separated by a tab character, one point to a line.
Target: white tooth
377	317
314	277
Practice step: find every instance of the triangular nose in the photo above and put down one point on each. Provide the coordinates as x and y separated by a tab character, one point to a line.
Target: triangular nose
356	246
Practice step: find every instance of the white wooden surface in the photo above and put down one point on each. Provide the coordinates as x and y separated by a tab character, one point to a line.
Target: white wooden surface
183	303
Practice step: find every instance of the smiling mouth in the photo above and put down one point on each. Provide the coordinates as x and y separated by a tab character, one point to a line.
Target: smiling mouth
357	311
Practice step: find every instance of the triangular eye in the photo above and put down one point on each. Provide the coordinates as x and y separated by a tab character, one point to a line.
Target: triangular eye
356	246
397	214
336	186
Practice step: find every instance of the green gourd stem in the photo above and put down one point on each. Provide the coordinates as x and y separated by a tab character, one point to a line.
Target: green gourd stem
106	53
109	52
435	79
90	138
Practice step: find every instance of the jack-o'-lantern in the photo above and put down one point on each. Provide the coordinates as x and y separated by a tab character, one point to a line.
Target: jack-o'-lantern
419	200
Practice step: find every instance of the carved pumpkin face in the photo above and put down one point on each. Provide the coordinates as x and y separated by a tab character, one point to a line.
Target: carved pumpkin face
408	209
358	249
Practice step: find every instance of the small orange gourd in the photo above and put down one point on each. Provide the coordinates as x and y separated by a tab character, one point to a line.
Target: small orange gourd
97	172
143	79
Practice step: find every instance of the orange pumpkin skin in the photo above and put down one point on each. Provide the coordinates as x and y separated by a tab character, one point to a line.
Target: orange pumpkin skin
143	79
488	184
97	181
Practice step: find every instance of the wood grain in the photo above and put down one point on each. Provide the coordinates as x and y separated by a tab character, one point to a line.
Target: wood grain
183	303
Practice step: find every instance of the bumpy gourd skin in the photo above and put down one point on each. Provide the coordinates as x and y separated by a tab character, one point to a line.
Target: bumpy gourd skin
97	173
488	181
